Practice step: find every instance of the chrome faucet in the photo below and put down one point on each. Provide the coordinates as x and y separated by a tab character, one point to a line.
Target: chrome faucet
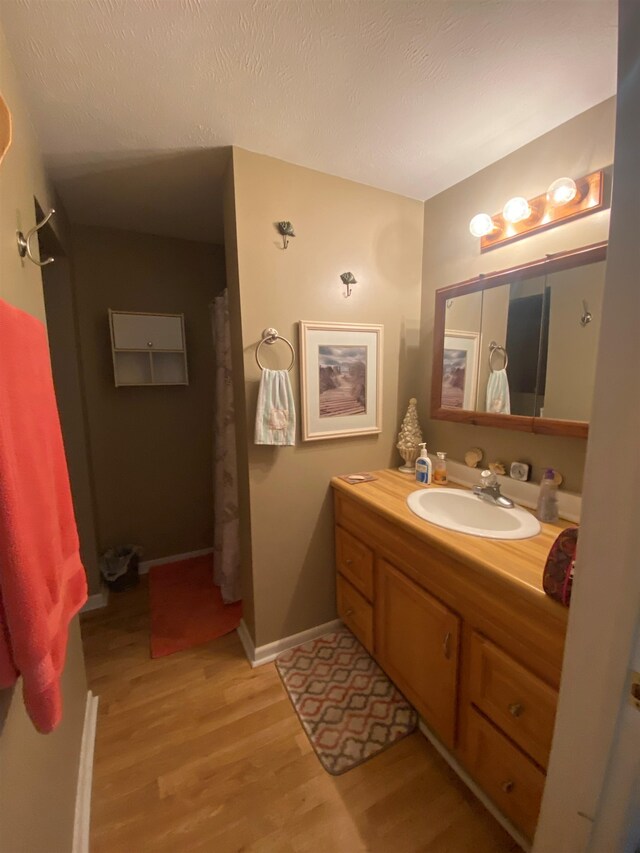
489	490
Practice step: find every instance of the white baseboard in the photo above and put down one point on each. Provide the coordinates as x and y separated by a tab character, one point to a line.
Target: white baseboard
462	773
265	654
96	601
145	565
82	818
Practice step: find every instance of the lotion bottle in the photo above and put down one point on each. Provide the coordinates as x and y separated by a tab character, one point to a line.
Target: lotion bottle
440	471
547	509
424	466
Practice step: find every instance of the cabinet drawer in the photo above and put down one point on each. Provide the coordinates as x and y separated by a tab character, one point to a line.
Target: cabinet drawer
147	331
355	561
508	777
356	612
515	699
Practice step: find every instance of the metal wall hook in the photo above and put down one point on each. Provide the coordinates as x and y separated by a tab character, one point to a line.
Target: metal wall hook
348	279
587	316
24	243
285	229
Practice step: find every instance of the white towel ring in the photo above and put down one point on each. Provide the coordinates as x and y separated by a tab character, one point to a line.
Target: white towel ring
496	348
270	336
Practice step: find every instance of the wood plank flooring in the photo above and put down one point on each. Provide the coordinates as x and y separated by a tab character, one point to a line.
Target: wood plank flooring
198	752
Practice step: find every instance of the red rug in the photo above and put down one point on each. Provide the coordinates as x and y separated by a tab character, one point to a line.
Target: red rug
186	607
346	704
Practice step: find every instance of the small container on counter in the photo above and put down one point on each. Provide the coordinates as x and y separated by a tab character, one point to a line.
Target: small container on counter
440	469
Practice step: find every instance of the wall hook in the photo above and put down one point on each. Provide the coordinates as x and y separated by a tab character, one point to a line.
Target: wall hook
587	317
285	228
24	243
348	279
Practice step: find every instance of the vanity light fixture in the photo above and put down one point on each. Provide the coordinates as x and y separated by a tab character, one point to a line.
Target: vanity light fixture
564	200
562	192
348	279
517	209
481	224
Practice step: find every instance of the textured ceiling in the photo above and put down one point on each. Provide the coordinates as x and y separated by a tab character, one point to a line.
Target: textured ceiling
130	96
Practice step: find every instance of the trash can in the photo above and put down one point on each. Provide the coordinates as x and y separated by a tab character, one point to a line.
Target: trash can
120	567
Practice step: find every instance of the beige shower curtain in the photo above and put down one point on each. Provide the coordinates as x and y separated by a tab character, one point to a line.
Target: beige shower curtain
226	571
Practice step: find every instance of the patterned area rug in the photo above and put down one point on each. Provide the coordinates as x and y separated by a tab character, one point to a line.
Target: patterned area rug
346	704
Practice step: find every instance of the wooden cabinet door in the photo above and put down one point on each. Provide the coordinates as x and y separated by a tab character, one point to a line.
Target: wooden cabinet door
417	644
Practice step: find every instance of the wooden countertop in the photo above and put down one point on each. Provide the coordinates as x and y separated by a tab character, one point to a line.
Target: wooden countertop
518	561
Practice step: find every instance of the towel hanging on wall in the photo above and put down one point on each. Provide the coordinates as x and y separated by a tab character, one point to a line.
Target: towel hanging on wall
498	398
275	414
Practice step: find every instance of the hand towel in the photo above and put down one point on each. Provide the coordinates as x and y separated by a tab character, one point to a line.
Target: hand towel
42	580
498	400
276	414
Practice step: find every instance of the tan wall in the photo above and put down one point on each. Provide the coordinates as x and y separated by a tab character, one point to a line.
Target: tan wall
340	226
38	773
151	448
242	429
591	799
451	254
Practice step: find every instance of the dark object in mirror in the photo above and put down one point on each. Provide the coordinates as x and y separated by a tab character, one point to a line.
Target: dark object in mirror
512	348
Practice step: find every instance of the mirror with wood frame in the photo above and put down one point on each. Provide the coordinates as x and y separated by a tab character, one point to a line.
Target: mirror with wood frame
517	348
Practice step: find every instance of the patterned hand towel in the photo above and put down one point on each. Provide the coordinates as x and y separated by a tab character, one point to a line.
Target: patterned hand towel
498	399
276	414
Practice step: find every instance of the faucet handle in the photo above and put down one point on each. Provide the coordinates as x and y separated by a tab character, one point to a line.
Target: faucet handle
488	478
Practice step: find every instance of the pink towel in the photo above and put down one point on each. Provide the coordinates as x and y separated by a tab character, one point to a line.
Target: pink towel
42	581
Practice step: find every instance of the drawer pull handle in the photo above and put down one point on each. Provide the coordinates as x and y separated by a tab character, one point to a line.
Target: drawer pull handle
446	645
508	786
349	612
149	343
348	562
516	709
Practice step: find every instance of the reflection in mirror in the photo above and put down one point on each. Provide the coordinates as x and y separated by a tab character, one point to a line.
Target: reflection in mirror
575	309
514	318
521	342
461	352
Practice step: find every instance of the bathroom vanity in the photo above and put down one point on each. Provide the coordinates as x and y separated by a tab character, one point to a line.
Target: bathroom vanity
462	626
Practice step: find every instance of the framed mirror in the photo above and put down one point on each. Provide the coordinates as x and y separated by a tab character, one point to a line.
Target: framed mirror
517	349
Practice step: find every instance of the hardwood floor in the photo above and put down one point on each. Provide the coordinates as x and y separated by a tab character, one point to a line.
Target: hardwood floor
199	752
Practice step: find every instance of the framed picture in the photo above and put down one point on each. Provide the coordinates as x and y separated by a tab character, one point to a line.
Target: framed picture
340	379
460	369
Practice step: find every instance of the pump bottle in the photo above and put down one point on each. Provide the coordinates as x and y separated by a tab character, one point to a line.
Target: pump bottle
424	466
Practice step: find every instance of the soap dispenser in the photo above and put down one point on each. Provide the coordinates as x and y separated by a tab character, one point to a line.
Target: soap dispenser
423	466
440	471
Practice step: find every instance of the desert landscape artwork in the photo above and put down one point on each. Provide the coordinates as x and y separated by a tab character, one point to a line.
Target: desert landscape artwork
342	380
454	370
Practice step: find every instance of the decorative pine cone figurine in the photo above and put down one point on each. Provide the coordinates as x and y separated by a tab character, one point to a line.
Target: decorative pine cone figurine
409	438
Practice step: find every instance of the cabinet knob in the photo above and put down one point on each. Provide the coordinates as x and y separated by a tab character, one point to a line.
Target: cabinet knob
508	786
348	562
515	709
149	343
349	612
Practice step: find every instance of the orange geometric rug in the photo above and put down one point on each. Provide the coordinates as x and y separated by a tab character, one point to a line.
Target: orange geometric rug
348	708
186	607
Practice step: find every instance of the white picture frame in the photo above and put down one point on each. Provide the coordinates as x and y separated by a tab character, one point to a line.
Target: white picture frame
340	379
460	363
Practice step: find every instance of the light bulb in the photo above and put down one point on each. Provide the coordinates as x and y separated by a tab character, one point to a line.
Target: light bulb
562	192
516	209
481	224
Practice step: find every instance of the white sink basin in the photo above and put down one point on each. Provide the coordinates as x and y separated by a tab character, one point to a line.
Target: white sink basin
464	512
